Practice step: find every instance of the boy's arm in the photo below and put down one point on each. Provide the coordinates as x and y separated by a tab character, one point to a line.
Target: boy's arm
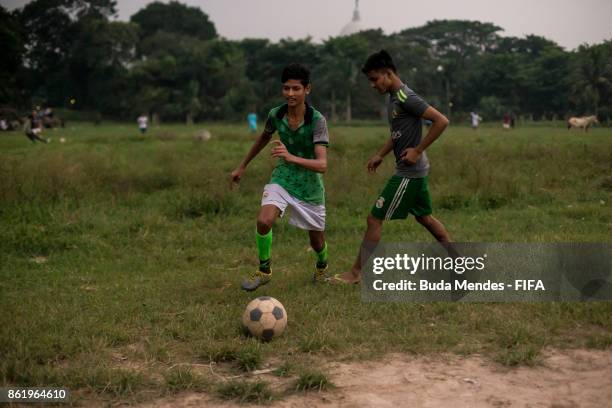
377	159
318	164
439	122
320	138
257	146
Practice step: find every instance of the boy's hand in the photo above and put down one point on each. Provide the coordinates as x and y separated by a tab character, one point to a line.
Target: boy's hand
411	155
373	163
236	176
280	151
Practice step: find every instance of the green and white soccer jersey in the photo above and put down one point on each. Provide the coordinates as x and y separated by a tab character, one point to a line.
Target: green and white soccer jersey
303	184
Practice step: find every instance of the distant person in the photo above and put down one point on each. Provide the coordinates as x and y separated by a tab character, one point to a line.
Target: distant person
506	121
3	124
33	128
512	120
143	123
476	119
252	120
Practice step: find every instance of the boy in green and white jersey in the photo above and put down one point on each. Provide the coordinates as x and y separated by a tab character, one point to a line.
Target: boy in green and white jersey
407	191
296	181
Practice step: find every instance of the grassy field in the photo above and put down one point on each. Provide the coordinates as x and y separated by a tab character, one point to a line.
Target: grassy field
121	256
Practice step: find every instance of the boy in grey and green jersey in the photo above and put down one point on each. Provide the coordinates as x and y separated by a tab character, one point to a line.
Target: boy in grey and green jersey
407	191
405	109
296	181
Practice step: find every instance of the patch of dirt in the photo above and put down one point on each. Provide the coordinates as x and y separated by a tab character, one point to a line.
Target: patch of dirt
568	378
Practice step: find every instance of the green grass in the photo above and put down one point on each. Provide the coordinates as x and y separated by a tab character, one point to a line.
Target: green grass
113	243
247	357
257	392
182	379
312	380
284	370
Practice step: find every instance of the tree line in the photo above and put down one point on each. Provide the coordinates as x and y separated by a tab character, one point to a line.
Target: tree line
169	61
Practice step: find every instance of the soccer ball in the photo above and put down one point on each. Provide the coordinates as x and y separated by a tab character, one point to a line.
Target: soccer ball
62	140
203	135
265	318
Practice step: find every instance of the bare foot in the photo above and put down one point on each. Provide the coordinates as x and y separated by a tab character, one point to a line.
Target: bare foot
350	277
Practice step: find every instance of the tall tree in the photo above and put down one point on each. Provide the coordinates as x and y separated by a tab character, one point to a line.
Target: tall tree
341	62
50	30
591	79
102	9
264	64
455	45
545	91
11	39
174	17
225	92
526	75
98	63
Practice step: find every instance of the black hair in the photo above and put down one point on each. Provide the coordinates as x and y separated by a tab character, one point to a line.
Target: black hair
296	71
379	60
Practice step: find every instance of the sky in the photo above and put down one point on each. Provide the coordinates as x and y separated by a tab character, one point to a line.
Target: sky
567	22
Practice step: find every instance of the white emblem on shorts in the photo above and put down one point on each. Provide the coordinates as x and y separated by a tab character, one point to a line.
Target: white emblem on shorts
380	202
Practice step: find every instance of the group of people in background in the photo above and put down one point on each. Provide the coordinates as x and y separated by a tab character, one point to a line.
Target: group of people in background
10	120
508	120
34	125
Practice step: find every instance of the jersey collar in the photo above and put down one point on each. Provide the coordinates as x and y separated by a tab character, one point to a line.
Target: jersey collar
308	114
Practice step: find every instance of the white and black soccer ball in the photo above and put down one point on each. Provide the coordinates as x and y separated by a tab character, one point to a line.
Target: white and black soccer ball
203	135
265	318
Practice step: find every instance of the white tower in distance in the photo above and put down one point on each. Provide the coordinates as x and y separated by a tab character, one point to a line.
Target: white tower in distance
355	25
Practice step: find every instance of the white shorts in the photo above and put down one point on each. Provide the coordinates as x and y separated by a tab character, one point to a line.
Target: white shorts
303	215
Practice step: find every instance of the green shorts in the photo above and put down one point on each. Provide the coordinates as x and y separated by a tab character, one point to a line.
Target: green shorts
402	196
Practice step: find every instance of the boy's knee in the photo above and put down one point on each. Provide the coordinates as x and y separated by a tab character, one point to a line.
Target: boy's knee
317	242
424	219
264	223
374	222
